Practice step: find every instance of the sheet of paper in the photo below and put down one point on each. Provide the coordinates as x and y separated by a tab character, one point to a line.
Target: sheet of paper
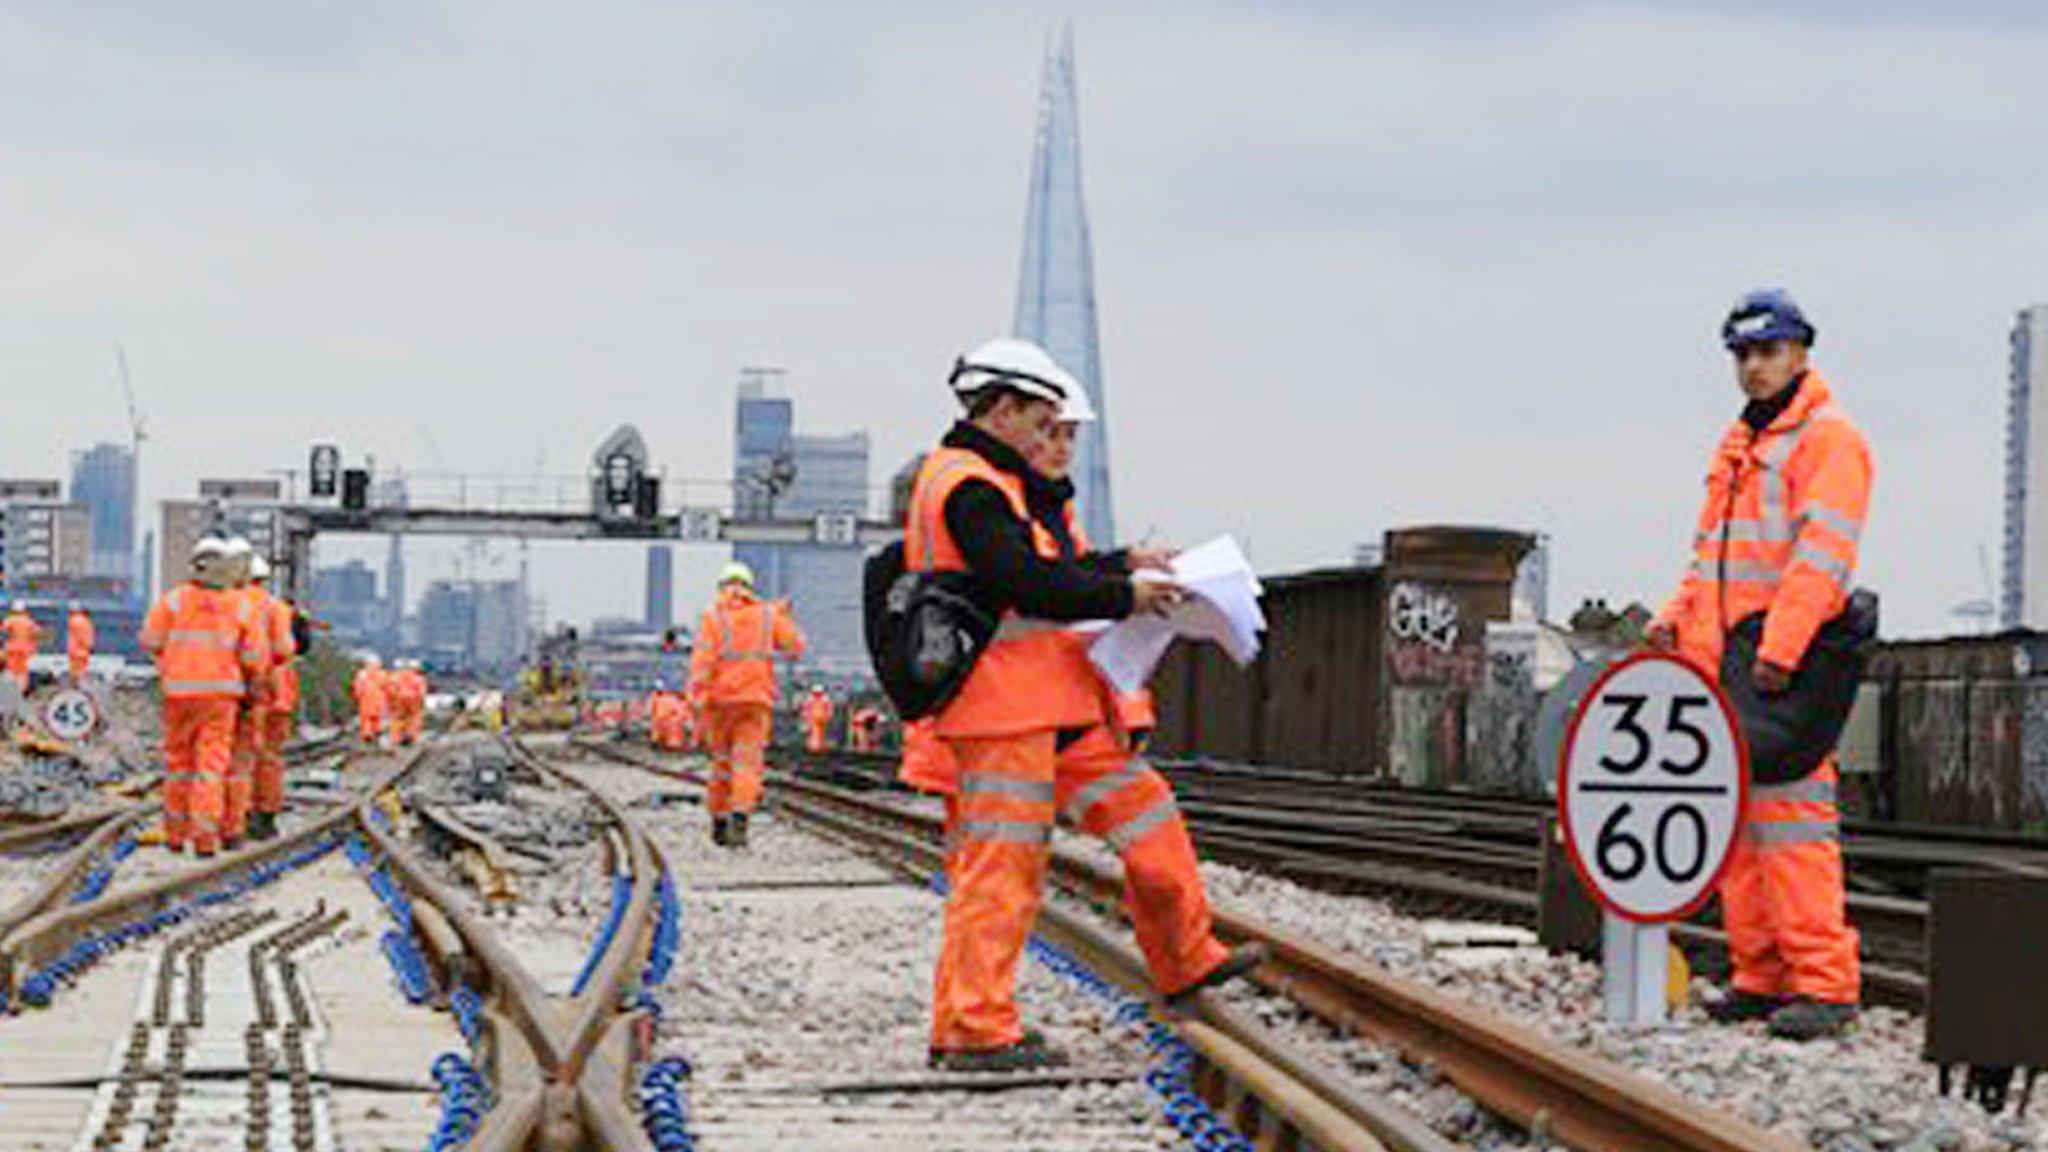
1222	607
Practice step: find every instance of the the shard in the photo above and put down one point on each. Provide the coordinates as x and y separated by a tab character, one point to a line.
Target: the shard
1056	287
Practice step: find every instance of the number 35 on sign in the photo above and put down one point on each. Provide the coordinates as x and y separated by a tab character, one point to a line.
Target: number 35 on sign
1651	787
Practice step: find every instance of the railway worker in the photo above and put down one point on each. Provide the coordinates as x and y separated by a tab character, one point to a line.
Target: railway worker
406	693
251	718
1104	784
1028	695
369	690
732	684
665	719
278	716
816	714
210	656
23	635
1786	496
79	638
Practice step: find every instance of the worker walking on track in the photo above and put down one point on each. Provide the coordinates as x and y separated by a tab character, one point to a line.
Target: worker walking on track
1030	695
406	696
278	716
816	714
1787	492
368	688
210	657
732	684
250	718
665	719
79	638
23	636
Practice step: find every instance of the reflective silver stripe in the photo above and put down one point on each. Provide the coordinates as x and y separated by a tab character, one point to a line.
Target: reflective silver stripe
204	687
1791	831
1812	790
1099	790
767	649
983	784
1737	571
1775	490
1004	832
1836	568
247	612
1844	526
175	599
200	638
1131	831
1746	531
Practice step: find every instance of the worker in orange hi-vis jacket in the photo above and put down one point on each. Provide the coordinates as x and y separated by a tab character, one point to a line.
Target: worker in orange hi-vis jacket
79	638
1777	535
732	683
23	635
210	656
816	714
278	716
370	688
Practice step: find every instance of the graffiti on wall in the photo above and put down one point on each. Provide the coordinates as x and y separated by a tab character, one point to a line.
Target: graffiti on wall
1428	642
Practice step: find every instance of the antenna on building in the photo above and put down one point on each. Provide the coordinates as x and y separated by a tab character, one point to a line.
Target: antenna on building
137	433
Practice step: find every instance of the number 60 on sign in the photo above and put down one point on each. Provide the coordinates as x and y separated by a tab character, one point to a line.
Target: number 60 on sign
1651	787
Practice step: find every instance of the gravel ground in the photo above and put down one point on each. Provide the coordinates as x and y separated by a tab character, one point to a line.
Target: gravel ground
805	970
1865	1091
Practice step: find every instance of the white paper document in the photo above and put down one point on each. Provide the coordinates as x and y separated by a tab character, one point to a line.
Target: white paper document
1222	607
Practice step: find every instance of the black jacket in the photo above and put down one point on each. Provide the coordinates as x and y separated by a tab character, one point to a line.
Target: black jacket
1008	573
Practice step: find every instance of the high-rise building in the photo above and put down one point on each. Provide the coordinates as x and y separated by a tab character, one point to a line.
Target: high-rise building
103	479
392	493
2023	599
475	625
41	536
345	598
661	582
781	475
1056	285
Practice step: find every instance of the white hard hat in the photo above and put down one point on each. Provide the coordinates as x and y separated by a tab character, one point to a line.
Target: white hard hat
259	568
1075	408
209	546
374	660
736	573
240	546
1012	363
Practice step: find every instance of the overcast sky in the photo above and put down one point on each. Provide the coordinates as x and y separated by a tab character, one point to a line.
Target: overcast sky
1357	266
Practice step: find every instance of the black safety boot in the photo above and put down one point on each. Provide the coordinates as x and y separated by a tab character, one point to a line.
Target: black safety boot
737	835
263	826
1739	1007
1242	960
1030	1054
1805	1018
719	832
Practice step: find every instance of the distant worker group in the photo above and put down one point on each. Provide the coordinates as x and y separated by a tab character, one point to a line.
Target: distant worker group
21	637
225	650
391	703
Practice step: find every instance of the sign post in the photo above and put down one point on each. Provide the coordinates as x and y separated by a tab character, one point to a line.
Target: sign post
1651	784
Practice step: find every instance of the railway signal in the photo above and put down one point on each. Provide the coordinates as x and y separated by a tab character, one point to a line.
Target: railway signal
1650	793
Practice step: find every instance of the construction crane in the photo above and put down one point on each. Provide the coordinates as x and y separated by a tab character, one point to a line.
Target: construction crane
137	433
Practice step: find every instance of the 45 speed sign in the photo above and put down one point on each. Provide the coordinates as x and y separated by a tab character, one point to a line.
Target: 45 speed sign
1651	787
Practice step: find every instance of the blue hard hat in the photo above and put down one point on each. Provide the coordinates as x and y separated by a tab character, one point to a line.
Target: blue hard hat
1766	314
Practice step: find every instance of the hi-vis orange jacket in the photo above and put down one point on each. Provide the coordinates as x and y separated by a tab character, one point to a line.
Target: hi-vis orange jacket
207	642
733	658
1778	531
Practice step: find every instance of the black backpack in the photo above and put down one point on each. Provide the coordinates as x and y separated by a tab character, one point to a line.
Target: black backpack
924	631
1789	733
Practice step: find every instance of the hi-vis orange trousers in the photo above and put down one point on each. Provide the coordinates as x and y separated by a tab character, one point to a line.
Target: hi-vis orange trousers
199	741
1001	828
278	726
1782	900
738	742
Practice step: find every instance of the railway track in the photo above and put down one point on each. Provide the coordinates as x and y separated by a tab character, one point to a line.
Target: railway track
224	1003
1254	1079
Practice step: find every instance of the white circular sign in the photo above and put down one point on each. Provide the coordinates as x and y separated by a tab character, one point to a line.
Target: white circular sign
70	714
1651	786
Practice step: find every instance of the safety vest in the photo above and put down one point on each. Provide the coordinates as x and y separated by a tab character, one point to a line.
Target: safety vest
205	641
1033	675
284	676
1778	531
79	635
737	641
21	632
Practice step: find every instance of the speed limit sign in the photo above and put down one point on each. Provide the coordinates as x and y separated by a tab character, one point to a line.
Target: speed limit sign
70	714
1651	785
